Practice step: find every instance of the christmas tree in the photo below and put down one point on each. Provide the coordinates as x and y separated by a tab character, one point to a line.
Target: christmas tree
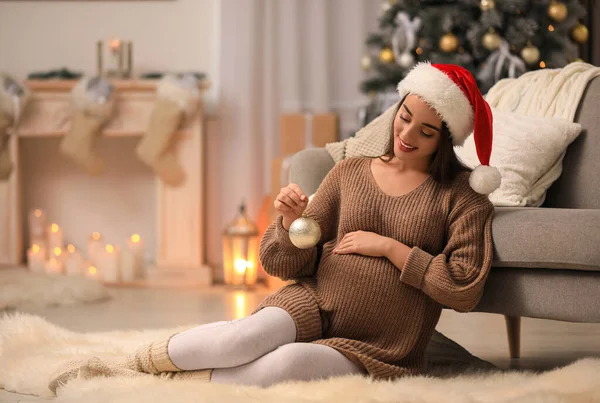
493	39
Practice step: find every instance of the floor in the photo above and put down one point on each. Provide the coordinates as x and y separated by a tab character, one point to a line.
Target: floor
545	344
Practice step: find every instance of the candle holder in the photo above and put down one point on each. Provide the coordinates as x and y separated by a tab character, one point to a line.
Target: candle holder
120	59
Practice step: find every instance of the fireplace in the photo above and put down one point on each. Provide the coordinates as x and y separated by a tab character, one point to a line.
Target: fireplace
178	211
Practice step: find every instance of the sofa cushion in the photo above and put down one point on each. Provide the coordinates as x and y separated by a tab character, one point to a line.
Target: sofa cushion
528	151
568	295
546	238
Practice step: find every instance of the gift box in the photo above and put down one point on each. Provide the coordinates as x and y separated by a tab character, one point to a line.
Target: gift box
276	179
300	131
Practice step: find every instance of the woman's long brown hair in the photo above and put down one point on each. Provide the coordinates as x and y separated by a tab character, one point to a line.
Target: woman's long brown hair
445	165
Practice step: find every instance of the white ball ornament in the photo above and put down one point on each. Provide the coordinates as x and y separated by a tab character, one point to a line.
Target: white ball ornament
406	60
305	232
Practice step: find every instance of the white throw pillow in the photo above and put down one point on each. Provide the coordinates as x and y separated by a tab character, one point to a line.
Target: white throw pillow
528	151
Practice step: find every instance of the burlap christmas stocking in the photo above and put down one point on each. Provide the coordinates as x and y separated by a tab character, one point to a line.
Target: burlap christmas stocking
176	101
92	109
13	98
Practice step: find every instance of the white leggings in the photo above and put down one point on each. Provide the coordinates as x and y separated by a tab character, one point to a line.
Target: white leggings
257	350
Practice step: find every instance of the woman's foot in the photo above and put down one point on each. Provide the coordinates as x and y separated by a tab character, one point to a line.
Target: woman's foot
90	368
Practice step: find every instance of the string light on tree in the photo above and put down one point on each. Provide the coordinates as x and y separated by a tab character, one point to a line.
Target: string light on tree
449	42
365	62
487	5
491	40
557	11
580	33
523	33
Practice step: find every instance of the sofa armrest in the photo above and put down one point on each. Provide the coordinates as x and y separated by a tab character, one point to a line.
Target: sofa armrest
546	238
309	167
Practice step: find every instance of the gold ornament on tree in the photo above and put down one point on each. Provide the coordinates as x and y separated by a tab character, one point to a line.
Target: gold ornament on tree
449	42
491	40
305	232
557	11
386	55
530	54
487	5
580	33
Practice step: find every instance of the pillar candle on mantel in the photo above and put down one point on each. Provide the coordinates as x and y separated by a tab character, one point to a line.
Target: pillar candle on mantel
73	261
55	237
109	265
132	259
95	248
36	258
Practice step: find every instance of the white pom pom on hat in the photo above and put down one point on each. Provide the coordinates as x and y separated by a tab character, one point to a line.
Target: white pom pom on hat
454	94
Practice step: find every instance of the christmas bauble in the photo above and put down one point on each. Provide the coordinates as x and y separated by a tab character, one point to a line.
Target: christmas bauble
580	33
449	42
386	55
365	62
530	54
406	60
557	11
487	5
491	41
305	232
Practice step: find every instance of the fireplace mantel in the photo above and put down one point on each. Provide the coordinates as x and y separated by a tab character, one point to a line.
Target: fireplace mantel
179	215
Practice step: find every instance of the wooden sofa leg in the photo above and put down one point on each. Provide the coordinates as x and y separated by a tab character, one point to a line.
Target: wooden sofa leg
513	330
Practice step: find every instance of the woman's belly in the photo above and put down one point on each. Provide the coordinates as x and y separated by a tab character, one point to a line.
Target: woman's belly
364	299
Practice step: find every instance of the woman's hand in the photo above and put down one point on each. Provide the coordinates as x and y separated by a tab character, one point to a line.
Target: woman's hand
290	203
363	243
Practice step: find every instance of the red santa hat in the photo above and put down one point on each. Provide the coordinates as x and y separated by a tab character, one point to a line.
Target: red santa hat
452	91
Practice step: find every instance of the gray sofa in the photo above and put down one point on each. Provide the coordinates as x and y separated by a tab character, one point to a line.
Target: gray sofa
547	259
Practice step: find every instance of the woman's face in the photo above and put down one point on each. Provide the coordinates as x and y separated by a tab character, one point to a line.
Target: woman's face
416	130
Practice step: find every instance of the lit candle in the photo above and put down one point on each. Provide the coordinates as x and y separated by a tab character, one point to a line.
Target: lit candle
55	237
54	266
240	267
116	49
110	265
95	247
37	225
36	258
73	261
91	271
132	258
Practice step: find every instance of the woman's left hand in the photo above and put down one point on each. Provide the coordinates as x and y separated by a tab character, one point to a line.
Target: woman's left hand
363	243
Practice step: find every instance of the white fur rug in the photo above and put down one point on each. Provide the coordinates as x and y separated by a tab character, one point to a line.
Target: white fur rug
31	349
20	288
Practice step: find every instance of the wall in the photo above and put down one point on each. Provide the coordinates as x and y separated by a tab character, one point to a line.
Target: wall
37	36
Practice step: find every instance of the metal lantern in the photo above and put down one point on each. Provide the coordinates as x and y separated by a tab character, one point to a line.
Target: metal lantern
240	251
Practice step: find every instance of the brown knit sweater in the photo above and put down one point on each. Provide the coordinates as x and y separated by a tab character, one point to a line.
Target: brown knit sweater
378	315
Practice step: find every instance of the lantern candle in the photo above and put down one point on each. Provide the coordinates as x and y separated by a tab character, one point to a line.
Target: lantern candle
36	258
240	251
